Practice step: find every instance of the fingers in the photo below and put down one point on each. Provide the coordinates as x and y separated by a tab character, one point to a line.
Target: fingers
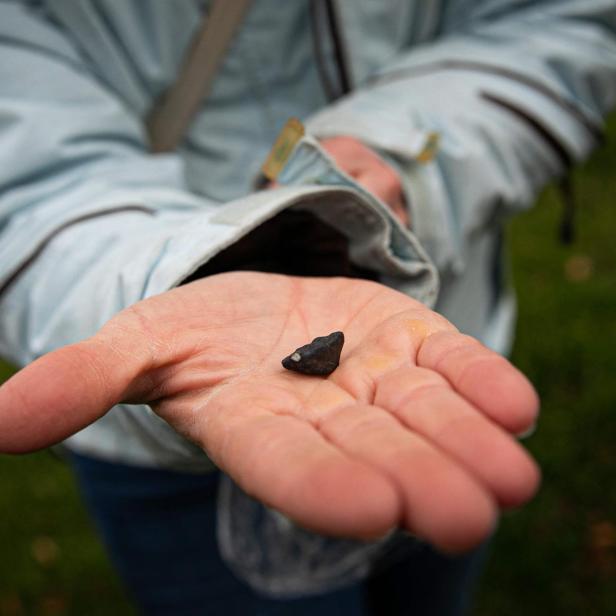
47	401
64	391
425	403
370	170
384	182
284	462
487	380
442	503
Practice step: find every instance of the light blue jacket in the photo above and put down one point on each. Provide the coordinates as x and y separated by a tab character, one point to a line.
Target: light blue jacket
90	222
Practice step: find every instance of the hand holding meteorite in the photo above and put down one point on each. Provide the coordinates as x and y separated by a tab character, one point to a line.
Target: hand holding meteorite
410	430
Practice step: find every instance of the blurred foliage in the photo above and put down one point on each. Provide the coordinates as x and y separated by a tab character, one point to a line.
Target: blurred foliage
52	564
557	555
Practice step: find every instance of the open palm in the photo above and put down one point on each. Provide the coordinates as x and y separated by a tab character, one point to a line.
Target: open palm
413	429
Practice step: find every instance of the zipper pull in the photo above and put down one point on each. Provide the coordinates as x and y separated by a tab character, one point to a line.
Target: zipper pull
567	222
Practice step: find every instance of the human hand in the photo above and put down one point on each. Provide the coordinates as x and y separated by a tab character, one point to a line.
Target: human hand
412	429
369	170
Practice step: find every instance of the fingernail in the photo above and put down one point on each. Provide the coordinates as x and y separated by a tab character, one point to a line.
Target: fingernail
528	432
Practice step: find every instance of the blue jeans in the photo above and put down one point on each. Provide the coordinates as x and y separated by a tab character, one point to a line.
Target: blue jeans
159	529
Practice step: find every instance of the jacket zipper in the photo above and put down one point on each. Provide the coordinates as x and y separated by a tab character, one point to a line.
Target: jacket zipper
326	10
342	62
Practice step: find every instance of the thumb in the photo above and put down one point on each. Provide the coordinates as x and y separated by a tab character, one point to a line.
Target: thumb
64	391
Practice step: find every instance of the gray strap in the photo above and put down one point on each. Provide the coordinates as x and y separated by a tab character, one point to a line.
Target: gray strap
168	121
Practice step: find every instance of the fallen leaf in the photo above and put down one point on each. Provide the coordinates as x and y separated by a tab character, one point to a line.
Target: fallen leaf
53	605
11	605
579	268
603	535
45	550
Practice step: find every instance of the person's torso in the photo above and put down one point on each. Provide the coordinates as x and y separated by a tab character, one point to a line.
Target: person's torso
273	69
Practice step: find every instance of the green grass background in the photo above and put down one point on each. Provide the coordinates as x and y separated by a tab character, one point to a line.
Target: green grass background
557	555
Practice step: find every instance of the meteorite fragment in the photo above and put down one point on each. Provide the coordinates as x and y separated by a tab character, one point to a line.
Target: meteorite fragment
321	357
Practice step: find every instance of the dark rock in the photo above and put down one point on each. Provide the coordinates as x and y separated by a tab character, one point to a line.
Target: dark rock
321	357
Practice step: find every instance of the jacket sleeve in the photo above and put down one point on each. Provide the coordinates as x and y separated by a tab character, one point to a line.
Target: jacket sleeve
90	221
75	172
514	92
